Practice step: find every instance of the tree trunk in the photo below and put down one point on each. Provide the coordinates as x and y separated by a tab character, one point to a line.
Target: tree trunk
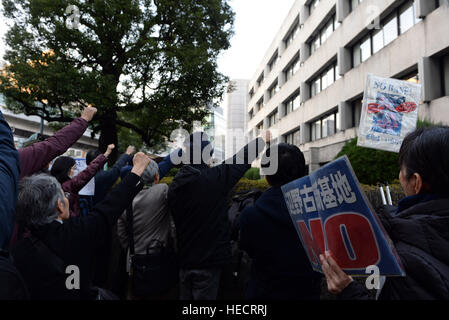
109	136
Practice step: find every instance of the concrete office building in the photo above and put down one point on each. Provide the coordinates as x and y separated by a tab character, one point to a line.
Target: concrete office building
309	87
216	130
24	126
236	101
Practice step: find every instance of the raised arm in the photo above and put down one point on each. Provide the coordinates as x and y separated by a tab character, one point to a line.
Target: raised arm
106	213
35	157
166	164
9	178
78	182
110	177
233	169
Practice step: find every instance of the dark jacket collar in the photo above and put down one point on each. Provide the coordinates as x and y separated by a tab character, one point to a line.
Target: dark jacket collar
410	201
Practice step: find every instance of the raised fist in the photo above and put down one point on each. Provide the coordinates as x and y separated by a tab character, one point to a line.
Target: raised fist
109	150
140	163
130	150
88	113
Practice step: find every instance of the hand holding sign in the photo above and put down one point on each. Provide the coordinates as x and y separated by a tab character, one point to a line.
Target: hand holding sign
337	279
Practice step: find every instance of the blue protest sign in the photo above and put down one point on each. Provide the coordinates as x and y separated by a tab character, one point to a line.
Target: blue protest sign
330	212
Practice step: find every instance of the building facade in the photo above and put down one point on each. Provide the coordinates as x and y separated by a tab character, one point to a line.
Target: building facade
216	130
24	126
236	102
308	89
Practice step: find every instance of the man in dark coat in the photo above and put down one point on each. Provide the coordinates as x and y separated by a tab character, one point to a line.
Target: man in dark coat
197	200
58	245
280	268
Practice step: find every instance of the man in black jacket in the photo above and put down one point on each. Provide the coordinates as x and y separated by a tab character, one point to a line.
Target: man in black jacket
197	200
280	268
56	244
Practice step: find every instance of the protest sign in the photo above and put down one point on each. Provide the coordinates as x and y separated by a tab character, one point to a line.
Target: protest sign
389	113
89	188
330	212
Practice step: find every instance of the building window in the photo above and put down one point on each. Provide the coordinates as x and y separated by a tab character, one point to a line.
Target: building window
261	79
407	16
445	74
259	128
356	112
365	49
292	103
390	30
292	69
273	119
323	34
355	4
273	61
325	126
324	79
313	5
251	93
273	90
251	114
411	77
259	105
400	21
291	35
378	41
293	138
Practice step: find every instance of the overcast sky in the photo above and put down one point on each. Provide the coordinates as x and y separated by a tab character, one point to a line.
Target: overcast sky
256	24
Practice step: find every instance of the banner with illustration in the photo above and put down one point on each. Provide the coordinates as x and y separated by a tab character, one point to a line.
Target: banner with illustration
389	112
330	212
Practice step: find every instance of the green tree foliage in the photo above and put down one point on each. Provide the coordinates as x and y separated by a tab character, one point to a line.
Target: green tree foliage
149	66
252	174
371	166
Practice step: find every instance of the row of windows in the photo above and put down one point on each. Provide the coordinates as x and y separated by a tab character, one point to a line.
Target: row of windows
400	21
293	138
324	127
323	34
324	80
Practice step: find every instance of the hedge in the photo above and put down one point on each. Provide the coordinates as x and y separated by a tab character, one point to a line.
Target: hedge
372	192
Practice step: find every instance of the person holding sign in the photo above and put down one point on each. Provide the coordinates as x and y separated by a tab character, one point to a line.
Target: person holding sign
419	230
280	269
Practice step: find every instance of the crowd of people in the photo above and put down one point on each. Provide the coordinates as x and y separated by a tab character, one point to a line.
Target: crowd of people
53	246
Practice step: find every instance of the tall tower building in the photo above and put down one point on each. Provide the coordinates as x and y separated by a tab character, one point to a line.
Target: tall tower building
236	116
